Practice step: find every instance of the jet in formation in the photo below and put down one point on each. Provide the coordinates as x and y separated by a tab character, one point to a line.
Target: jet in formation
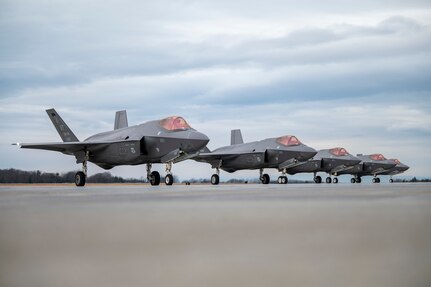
331	161
370	165
166	141
397	169
280	153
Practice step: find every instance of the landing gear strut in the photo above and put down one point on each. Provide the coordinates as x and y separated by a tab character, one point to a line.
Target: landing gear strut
169	179
215	178
283	178
81	176
264	178
153	177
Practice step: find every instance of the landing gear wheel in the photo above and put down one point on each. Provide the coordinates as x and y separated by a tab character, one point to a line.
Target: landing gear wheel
318	179
282	179
265	179
215	179
169	179
335	180
154	178
391	180
358	180
80	178
352	180
328	180
378	180
375	180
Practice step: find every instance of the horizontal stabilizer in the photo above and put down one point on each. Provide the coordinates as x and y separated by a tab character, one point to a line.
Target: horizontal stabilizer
120	120
63	130
236	137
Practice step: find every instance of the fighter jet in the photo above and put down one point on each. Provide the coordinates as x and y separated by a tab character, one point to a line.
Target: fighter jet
167	141
399	168
280	153
370	165
331	161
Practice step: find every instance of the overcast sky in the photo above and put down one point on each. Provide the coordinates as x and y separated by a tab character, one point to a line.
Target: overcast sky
355	74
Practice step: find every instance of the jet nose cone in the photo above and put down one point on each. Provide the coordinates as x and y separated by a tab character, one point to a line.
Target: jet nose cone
199	140
306	153
388	164
404	167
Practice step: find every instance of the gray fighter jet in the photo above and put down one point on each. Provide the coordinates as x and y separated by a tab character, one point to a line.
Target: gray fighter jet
167	141
331	161
280	153
399	168
370	165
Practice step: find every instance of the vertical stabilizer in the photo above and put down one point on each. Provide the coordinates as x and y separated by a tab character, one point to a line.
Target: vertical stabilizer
120	120
63	130
236	137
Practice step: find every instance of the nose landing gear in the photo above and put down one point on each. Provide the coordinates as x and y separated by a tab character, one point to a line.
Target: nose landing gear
81	176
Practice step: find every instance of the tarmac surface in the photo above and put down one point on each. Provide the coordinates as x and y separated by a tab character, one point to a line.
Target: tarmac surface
227	235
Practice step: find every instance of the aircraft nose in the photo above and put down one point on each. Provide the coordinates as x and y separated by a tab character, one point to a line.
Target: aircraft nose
404	167
388	164
199	140
306	153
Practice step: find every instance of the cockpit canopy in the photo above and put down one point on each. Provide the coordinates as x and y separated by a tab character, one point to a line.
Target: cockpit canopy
174	123
377	156
288	140
339	151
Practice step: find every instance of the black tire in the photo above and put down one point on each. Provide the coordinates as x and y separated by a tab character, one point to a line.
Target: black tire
352	180
318	179
169	179
335	180
378	180
265	179
282	180
215	179
80	178
154	178
358	180
328	180
374	180
391	180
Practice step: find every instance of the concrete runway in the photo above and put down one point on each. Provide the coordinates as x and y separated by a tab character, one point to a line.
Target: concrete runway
227	235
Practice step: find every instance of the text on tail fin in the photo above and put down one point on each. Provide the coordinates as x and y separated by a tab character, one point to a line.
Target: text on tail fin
63	130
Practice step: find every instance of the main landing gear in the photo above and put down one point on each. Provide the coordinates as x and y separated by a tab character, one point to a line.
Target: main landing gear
356	179
215	178
391	180
376	180
283	178
81	176
264	178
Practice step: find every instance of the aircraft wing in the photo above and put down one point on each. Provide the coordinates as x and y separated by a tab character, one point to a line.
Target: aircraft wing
66	147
